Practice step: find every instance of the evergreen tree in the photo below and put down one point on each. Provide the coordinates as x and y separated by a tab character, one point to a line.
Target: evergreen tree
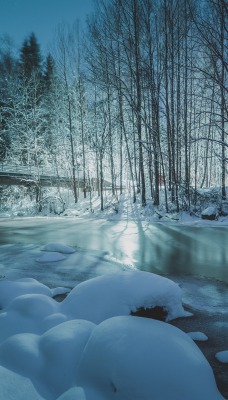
49	72
30	57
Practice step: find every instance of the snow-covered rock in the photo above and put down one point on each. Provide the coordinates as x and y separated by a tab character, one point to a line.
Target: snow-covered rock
61	350
59	247
134	358
31	313
119	294
198	336
209	213
54	356
11	289
222	356
51	257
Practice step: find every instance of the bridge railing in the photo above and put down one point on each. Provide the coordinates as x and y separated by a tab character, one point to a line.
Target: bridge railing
42	171
29	169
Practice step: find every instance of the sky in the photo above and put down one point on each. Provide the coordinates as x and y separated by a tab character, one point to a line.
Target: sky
18	18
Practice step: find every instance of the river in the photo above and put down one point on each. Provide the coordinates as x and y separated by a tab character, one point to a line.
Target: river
168	249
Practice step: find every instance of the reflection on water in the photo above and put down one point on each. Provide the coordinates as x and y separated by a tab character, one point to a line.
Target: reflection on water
163	248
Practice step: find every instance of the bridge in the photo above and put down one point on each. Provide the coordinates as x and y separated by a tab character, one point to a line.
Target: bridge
22	175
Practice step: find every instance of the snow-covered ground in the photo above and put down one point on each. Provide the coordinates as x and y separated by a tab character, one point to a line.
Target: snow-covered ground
88	347
115	208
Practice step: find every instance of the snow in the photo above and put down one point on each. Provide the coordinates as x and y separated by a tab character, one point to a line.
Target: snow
209	211
202	295
222	356
55	252
88	347
94	300
142	359
123	204
11	289
111	295
51	257
53	357
17	387
59	247
198	336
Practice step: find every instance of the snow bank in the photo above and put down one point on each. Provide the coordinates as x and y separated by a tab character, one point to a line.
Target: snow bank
129	358
119	294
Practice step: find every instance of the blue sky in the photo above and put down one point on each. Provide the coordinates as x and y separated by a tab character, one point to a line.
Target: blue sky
18	18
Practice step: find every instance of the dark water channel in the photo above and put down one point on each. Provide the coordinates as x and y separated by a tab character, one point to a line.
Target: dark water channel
160	248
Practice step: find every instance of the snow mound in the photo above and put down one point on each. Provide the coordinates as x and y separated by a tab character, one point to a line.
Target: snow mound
16	387
11	289
198	336
55	356
51	257
59	247
222	356
31	313
75	393
120	294
209	213
61	350
134	358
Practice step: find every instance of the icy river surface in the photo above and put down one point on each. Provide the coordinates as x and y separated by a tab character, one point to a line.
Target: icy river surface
166	249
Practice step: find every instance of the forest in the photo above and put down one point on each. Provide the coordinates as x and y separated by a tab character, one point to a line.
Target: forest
137	99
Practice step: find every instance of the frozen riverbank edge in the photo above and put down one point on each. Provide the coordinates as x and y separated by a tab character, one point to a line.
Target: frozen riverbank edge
115	208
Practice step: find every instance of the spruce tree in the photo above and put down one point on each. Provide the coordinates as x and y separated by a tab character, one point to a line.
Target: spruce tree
30	57
49	72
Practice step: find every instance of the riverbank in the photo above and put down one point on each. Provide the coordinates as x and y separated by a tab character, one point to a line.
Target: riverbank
116	208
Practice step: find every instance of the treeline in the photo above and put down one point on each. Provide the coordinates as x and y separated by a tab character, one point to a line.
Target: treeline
139	100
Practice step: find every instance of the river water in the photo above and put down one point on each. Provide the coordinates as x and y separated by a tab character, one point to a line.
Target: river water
167	249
